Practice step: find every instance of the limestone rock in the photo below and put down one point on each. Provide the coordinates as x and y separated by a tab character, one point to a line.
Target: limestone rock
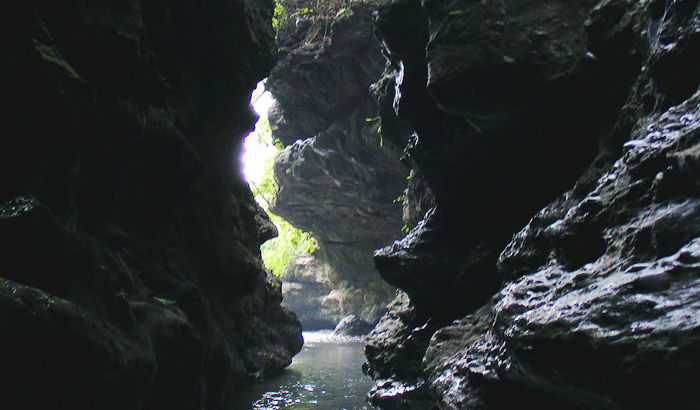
394	353
591	334
599	302
324	69
306	287
337	177
342	186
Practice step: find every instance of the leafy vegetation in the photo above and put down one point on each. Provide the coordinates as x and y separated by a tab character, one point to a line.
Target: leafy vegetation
320	12
277	253
399	199
315	9
290	243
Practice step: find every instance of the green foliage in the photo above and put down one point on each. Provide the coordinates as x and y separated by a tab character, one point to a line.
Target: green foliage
404	229
289	9
323	9
301	12
49	52
320	13
278	252
341	11
265	189
278	16
378	123
399	199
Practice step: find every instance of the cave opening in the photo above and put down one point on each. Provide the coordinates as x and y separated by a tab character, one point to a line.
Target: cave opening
258	158
329	282
318	163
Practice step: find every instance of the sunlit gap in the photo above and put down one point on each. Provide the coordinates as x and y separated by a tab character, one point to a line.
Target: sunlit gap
260	150
258	146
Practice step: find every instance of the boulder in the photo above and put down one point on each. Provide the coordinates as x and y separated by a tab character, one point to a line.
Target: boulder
352	325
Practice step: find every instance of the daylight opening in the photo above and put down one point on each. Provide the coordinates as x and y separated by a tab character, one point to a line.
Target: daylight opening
260	150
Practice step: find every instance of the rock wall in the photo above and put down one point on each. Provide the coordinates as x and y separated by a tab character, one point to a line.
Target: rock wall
337	178
129	249
585	115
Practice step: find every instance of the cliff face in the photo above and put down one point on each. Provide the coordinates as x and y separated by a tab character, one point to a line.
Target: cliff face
129	251
588	113
338	178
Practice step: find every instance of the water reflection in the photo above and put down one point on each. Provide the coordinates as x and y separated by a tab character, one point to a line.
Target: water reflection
325	375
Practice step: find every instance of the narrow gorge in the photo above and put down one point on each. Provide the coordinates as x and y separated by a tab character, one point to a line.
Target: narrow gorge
337	177
507	191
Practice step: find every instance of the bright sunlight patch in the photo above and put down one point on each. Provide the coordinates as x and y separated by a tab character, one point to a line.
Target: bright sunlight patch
258	159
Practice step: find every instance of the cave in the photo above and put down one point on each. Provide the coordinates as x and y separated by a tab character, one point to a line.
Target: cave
505	194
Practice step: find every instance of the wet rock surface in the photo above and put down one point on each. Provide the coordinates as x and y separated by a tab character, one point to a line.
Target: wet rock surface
394	351
630	310
129	247
351	325
524	102
325	66
337	178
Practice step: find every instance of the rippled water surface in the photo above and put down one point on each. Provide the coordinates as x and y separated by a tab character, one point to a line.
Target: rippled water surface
325	375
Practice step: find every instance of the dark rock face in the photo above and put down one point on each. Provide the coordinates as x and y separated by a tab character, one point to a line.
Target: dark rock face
593	334
489	171
340	180
324	69
632	308
394	351
129	248
598	309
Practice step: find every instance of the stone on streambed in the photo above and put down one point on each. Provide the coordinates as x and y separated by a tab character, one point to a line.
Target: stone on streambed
351	325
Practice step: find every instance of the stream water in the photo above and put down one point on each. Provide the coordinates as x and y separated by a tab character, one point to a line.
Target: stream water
325	375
